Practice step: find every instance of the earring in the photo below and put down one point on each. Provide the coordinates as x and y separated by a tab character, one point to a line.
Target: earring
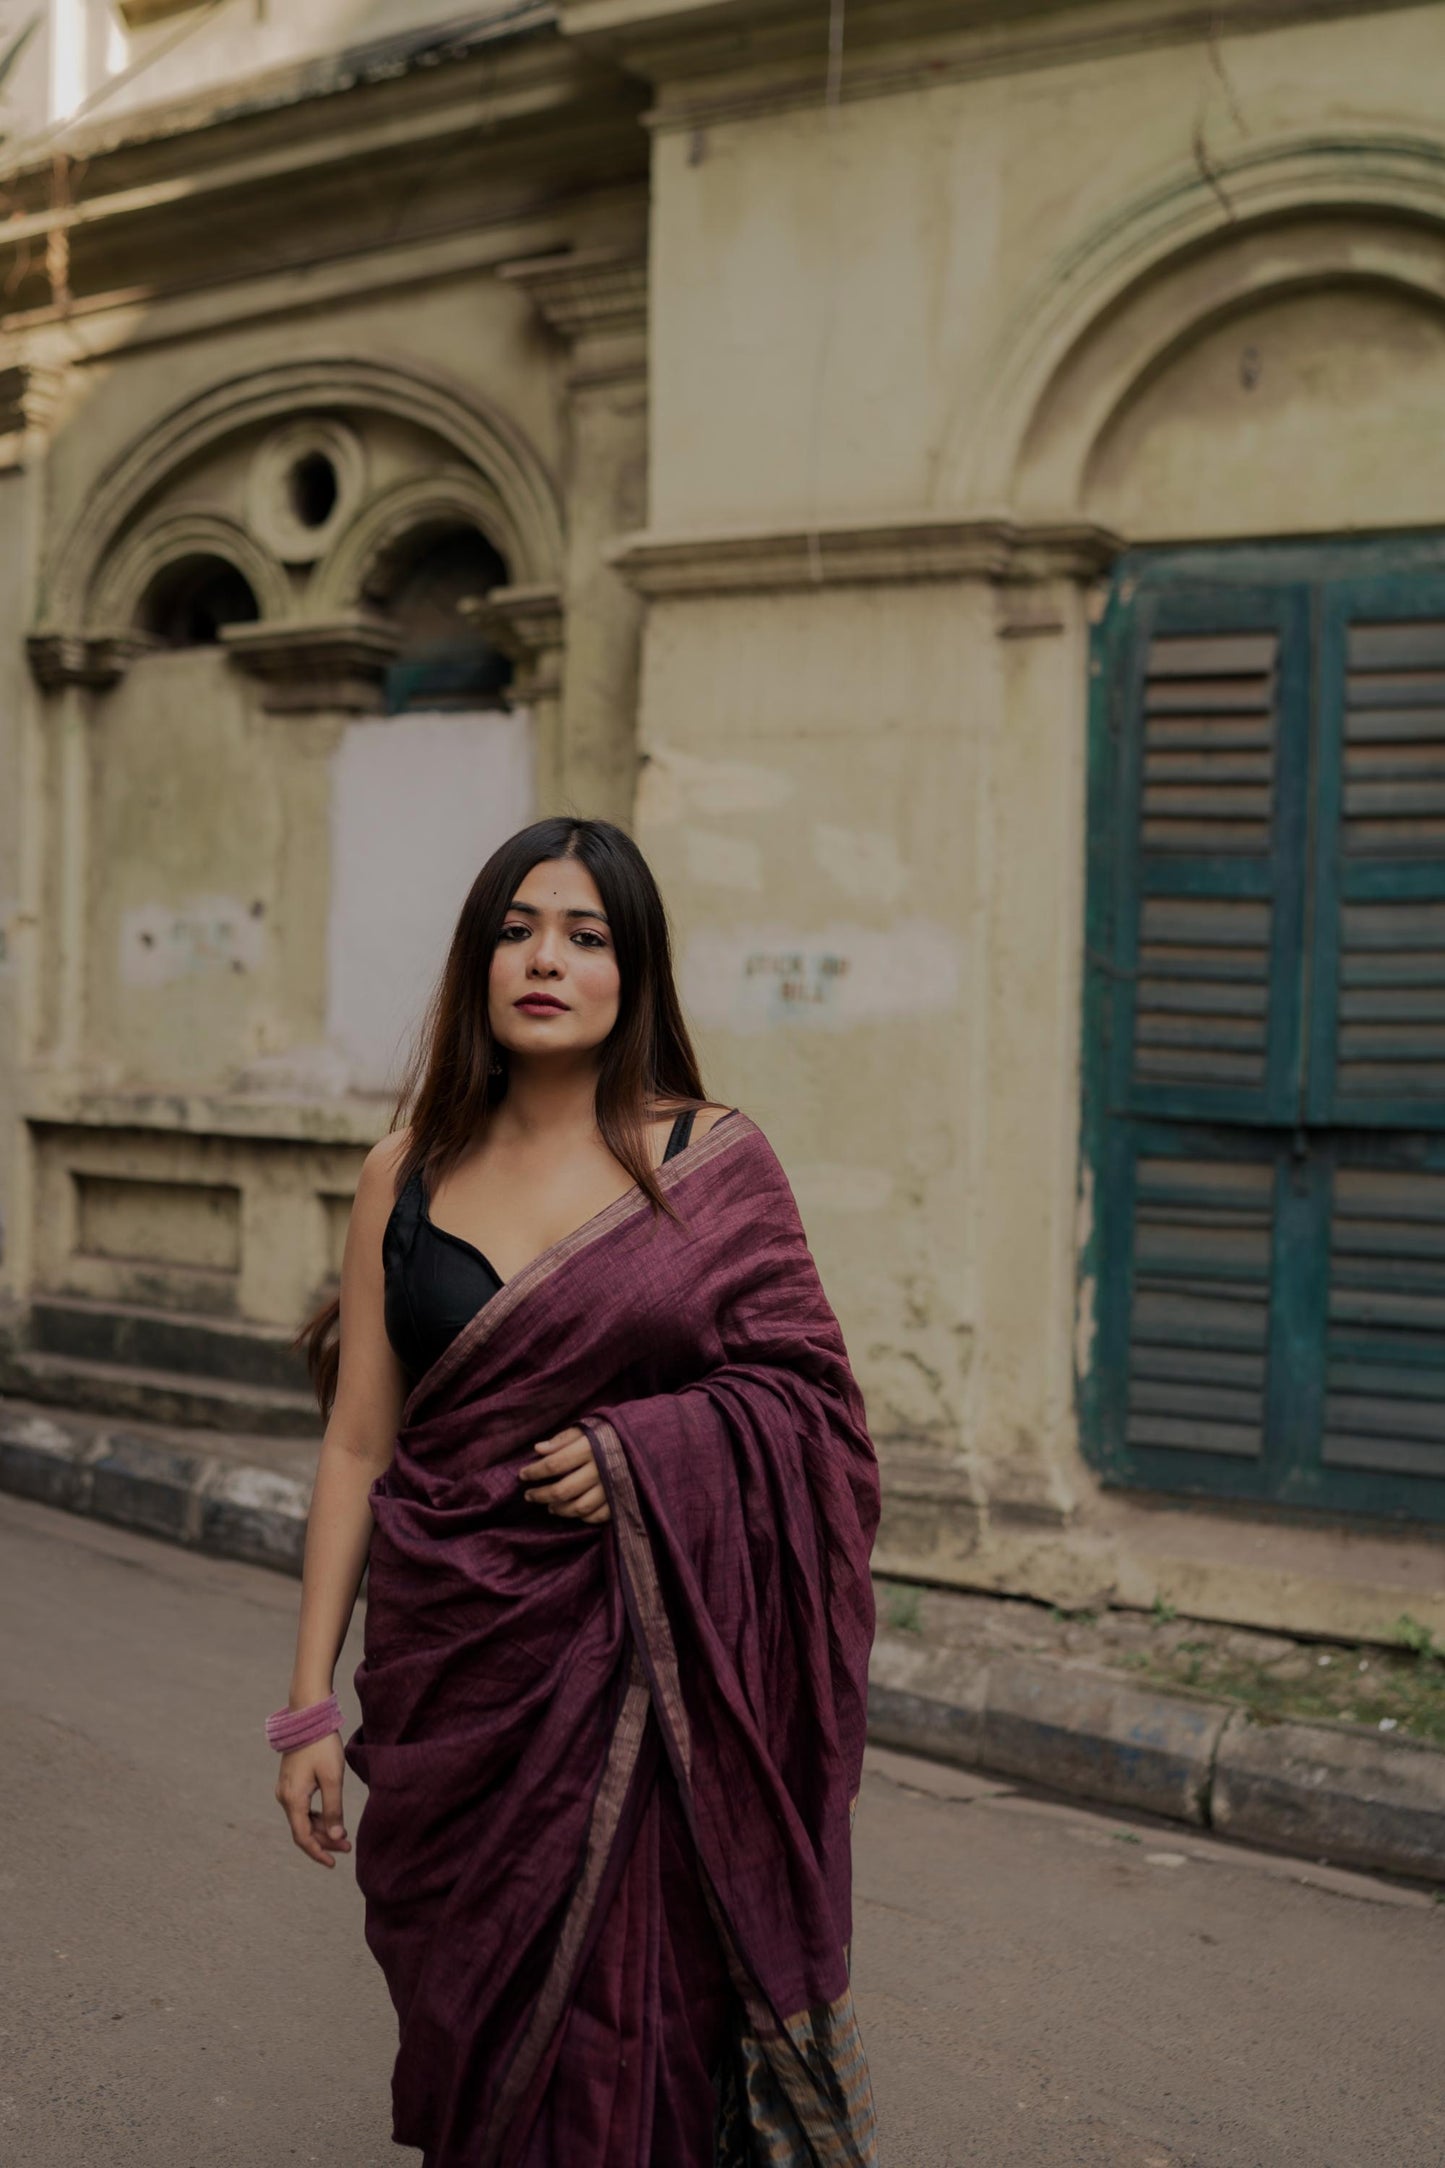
494	1066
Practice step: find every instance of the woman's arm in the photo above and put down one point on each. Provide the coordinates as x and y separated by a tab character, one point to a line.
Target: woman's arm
360	1438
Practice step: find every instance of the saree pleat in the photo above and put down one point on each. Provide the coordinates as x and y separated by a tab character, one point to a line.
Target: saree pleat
606	1851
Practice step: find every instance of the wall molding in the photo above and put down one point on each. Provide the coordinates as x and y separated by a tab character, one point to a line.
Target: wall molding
888	552
596	299
739	59
322	667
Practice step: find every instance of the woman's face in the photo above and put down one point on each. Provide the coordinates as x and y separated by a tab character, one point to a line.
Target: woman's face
555	986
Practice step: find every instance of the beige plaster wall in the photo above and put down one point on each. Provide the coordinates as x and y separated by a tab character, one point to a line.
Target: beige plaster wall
844	306
1192	289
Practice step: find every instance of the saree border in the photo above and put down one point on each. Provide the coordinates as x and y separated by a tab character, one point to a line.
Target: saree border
805	2077
728	1131
617	1771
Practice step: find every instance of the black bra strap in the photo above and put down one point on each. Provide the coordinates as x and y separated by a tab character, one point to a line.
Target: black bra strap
681	1133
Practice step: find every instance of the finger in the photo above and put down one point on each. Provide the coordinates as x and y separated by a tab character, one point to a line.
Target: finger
581	1506
568	1487
295	1803
321	1831
569	1436
331	1816
560	1464
603	1513
572	1455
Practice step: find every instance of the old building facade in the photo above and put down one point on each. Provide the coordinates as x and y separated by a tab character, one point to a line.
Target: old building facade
960	481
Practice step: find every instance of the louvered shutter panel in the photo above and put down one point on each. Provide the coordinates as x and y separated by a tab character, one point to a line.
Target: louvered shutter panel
1199	1320
1377	1055
1213	746
1385	1356
1208	1007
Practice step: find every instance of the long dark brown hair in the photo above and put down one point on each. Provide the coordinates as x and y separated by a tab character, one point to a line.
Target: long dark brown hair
458	1073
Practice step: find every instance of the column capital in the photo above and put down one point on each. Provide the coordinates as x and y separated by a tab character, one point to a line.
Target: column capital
30	397
95	660
329	666
596	298
529	625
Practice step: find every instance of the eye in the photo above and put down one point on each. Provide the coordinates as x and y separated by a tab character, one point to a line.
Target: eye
513	926
589	937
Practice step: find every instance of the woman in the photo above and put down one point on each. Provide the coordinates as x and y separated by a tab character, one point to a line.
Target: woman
594	1426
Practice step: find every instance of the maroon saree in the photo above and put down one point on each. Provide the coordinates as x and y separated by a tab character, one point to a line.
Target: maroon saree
611	1769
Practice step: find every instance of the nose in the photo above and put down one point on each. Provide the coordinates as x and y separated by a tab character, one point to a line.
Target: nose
547	958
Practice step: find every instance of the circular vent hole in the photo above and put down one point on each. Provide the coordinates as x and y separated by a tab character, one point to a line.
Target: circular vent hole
313	489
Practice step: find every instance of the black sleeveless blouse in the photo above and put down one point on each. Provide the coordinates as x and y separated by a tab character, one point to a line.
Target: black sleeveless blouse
435	1282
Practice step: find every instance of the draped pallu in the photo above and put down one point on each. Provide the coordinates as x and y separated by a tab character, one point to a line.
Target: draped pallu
612	1768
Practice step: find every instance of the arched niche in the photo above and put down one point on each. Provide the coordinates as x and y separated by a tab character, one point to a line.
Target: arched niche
494	461
156	553
1306	410
1195	249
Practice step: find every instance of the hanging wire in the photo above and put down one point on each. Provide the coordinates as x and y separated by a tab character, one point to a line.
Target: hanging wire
832	100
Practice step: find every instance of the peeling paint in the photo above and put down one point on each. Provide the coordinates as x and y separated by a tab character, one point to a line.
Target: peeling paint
1086	1323
206	934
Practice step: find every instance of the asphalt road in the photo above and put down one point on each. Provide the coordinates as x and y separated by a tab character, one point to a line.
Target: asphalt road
1039	1986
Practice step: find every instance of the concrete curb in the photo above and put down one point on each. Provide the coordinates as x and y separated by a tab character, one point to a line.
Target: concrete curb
1325	1791
186	1496
1320	1790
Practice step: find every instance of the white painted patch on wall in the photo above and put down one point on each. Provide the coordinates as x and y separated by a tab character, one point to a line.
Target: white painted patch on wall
723	861
675	784
832	1185
161	942
864	861
760	978
419	802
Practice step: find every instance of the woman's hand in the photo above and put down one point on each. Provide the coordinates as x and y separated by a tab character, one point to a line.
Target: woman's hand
304	1772
567	1478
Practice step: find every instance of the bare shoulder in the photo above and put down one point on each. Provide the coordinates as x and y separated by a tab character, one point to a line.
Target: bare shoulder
376	1186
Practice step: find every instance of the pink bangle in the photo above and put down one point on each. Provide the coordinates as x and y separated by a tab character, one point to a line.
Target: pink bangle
290	1728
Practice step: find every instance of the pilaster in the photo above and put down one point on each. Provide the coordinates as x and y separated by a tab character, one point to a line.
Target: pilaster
596	300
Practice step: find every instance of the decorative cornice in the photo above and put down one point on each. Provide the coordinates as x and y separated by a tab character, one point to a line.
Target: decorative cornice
95	661
29	398
529	625
596	298
890	552
718	60
338	666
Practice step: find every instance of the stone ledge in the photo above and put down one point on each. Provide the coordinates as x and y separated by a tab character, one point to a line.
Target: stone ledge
170	1487
1322	1791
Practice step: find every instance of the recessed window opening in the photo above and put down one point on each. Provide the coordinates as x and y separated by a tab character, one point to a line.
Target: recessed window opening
445	659
189	603
313	489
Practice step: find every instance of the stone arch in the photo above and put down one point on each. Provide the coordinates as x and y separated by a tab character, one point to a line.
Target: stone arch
521	497
358	569
1179	256
154	545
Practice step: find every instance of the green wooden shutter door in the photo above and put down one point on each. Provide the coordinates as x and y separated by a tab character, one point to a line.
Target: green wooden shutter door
1267	973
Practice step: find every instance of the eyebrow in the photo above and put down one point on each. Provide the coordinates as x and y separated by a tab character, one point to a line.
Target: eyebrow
532	910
